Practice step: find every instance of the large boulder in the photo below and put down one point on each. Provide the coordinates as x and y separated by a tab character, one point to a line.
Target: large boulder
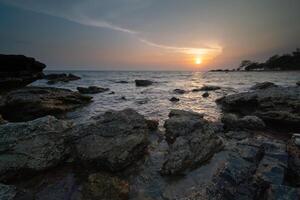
32	102
55	78
232	122
192	141
92	90
113	140
143	83
18	71
263	85
277	106
32	146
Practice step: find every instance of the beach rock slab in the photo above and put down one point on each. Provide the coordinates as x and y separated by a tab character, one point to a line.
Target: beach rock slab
92	90
33	102
263	85
113	140
17	71
143	83
32	146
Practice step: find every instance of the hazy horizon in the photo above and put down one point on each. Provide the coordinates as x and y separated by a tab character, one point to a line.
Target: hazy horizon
148	35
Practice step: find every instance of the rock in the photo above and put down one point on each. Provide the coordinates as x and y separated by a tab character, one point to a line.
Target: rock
276	106
54	78
232	122
174	99
281	192
92	90
10	192
34	102
238	135
18	71
294	161
179	91
143	83
2	121
205	94
263	85
112	92
191	140
123	98
152	124
298	83
32	146
113	140
106	187
123	82
206	88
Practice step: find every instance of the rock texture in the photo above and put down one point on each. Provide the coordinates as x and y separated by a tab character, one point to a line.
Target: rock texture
18	71
55	78
294	161
32	146
277	106
232	122
10	192
112	140
207	88
143	83
263	85
34	102
92	90
191	139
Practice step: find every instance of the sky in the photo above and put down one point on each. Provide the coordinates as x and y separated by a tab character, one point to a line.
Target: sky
148	34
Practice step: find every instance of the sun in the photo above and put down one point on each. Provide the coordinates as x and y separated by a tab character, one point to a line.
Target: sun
198	60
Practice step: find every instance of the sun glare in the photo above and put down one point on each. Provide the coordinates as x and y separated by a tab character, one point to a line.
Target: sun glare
198	61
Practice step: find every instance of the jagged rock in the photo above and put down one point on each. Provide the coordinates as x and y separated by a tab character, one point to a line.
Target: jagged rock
192	141
179	91
294	161
143	83
232	122
32	102
174	99
206	88
54	78
263	85
205	95
10	192
278	106
105	187
18	71
113	140
281	192
32	146
92	90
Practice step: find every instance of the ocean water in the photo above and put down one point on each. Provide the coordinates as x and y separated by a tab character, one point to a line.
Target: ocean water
153	101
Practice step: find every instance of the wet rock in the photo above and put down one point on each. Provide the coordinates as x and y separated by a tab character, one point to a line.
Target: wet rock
106	187
92	90
113	140
55	78
238	135
123	82
152	124
276	106
280	192
32	146
10	192
263	85
143	83
293	150
179	91
205	94
123	98
232	122
18	71
32	102
174	99
192	141
207	88
112	92
298	83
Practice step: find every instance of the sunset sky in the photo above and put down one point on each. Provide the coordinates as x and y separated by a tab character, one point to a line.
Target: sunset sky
148	34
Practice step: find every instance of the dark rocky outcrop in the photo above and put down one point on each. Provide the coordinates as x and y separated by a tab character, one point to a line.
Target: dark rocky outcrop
278	106
191	139
207	88
179	91
174	99
18	71
92	90
32	102
55	78
143	83
233	123
263	85
10	192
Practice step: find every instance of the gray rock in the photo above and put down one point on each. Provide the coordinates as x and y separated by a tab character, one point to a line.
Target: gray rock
298	83
92	90
179	91
263	85
276	106
206	88
143	83
34	102
55	78
232	122
294	161
10	192
32	146
113	140
238	135
281	192
192	141
174	99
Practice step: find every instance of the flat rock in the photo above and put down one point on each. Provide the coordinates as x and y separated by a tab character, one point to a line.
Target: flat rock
32	146
143	83
35	102
92	90
113	140
207	88
192	141
278	106
17	71
263	85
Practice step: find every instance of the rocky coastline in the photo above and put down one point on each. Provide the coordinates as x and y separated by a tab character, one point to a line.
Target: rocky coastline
117	154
